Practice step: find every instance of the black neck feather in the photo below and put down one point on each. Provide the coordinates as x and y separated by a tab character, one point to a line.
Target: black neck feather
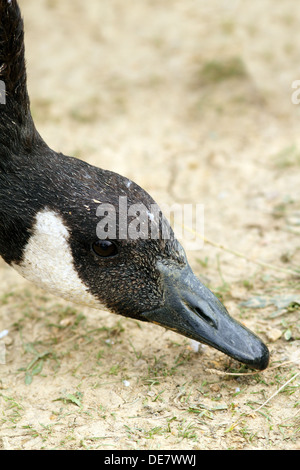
17	131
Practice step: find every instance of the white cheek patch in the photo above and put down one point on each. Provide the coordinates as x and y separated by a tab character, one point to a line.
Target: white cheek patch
48	261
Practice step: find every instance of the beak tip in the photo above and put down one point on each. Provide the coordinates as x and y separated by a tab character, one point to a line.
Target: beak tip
248	348
262	360
192	310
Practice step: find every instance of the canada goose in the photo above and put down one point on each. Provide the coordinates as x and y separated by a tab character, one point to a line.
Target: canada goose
49	211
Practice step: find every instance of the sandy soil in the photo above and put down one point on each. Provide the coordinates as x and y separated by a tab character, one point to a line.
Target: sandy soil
193	101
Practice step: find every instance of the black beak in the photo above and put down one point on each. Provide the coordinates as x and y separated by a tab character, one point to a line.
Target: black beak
192	310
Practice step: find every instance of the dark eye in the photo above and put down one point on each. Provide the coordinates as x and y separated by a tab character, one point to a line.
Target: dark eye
105	248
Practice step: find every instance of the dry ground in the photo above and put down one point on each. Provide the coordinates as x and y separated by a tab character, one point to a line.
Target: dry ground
192	100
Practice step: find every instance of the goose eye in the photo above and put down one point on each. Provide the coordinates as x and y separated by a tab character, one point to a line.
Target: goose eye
104	248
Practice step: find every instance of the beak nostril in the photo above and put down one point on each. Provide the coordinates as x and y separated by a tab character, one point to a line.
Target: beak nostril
205	317
205	313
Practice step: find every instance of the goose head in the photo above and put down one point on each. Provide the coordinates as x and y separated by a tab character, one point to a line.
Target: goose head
93	237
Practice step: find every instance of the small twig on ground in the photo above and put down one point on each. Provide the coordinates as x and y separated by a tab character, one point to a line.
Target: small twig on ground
220	372
277	391
241	255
